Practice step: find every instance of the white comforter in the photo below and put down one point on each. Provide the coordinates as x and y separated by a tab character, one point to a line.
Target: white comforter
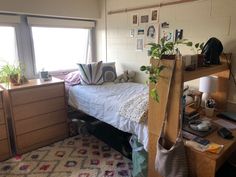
103	102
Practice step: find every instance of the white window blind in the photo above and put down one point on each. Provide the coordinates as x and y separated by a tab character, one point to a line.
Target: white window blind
49	22
9	19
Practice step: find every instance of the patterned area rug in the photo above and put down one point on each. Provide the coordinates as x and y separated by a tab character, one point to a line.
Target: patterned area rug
80	156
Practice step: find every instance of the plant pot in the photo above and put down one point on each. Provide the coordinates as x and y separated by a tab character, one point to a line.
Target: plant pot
200	60
168	57
209	112
14	79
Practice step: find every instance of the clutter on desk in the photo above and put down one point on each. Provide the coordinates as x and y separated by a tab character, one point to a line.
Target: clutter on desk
226	124
214	148
193	98
200	127
225	133
227	115
211	147
210	107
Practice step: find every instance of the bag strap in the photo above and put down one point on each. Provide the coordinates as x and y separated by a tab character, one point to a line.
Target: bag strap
168	100
167	107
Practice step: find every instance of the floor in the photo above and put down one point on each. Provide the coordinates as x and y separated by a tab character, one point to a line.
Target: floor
80	156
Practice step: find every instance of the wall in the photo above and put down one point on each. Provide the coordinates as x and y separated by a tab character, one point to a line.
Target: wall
200	20
62	8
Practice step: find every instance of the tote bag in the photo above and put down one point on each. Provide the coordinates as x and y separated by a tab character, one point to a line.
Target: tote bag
171	159
171	162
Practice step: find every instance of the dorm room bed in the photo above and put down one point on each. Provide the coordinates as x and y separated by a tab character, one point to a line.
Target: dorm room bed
104	101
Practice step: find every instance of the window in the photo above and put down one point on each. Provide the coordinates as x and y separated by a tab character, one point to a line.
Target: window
8	46
58	49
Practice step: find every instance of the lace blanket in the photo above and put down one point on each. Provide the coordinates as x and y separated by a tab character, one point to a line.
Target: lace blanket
135	108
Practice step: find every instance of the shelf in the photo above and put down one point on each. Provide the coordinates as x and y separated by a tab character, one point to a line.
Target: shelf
205	71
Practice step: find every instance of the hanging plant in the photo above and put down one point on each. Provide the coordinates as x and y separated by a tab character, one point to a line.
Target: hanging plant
159	51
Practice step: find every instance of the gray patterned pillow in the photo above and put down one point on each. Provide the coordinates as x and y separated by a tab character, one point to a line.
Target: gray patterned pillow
109	72
91	74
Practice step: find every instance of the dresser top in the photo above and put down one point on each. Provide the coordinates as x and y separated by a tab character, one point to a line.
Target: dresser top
31	83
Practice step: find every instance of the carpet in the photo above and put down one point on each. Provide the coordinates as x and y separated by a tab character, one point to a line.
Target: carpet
79	156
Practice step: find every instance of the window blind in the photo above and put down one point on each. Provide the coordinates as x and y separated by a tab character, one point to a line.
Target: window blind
50	22
9	19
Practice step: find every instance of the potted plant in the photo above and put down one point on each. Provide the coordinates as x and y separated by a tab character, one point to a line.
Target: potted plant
210	105
10	74
164	50
198	50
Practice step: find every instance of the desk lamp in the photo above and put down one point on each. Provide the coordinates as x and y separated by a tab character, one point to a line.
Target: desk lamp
208	85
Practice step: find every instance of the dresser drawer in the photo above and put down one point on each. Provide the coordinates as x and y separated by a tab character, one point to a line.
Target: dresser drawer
38	108
2	116
34	94
39	136
4	148
3	132
40	122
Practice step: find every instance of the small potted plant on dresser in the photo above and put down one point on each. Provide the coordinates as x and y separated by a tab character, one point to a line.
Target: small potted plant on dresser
11	74
210	105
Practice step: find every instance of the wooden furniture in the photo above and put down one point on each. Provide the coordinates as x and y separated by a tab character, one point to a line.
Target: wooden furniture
203	164
5	150
157	110
38	112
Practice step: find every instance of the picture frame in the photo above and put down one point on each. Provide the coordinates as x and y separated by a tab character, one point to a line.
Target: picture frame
140	44
134	19
154	17
152	33
144	18
178	34
140	31
132	33
168	34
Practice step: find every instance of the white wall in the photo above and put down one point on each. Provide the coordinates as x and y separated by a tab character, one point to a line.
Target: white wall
62	8
199	20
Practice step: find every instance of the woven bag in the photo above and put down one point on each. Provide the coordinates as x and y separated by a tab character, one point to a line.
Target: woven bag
171	159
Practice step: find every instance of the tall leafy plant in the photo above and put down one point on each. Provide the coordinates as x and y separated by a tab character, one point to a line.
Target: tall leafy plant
158	51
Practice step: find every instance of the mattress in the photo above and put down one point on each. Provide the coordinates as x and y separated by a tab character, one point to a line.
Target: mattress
103	102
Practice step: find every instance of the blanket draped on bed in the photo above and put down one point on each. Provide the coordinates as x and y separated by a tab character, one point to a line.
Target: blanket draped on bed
135	108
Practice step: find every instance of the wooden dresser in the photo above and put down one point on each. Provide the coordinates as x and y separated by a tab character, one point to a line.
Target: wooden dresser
5	151
38	112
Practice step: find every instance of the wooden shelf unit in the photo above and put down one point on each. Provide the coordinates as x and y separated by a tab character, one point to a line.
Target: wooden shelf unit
206	71
157	110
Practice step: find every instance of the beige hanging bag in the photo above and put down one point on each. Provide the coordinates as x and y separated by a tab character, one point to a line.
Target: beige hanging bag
171	158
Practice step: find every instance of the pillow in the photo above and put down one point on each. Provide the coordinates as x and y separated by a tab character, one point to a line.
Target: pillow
91	74
109	72
73	78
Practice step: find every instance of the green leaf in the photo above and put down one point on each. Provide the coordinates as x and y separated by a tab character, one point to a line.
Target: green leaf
202	45
154	95
189	44
143	68
197	45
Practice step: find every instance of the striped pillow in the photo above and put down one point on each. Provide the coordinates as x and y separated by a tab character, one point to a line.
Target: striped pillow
91	74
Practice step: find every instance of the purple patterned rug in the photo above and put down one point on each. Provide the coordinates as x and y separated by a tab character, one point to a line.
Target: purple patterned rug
80	156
